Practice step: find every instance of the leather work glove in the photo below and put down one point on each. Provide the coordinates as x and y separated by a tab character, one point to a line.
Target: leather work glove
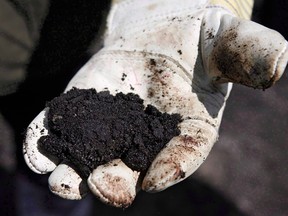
181	57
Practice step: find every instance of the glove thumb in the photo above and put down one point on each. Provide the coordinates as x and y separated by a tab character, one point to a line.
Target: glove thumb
242	51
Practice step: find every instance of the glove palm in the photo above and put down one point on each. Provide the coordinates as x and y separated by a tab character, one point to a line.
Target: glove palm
180	61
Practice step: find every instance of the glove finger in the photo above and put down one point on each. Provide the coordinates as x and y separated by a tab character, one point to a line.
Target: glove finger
243	52
114	183
65	182
181	157
35	159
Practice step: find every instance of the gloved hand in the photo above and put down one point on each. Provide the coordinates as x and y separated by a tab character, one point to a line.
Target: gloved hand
181	57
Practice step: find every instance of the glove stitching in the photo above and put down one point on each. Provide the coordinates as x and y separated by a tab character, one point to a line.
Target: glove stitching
29	158
100	195
223	8
143	55
31	164
149	20
146	27
61	193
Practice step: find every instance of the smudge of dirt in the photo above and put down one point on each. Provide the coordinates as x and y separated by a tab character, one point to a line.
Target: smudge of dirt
240	62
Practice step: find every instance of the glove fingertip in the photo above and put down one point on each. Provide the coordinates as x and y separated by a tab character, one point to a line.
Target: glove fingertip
114	183
65	182
172	165
281	63
37	161
181	157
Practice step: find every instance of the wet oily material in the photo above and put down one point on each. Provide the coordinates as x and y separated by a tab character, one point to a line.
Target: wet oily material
90	128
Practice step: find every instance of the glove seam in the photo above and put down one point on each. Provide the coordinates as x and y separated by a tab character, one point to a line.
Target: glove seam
146	56
143	55
214	6
146	21
61	194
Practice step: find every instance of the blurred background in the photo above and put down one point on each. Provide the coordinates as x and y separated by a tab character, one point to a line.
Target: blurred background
43	43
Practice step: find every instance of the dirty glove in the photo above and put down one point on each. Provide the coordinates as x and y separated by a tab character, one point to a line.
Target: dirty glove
181	57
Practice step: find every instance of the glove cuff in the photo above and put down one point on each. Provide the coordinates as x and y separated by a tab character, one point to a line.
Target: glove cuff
240	8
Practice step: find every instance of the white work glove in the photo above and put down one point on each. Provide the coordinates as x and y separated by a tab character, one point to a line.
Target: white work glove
181	57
